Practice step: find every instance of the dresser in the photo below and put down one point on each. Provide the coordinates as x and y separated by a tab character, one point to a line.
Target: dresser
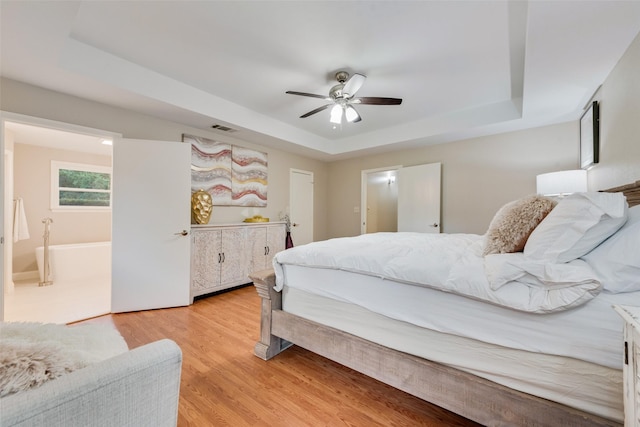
222	256
631	367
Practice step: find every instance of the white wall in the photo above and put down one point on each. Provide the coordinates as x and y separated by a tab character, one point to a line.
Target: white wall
619	124
481	174
478	175
33	101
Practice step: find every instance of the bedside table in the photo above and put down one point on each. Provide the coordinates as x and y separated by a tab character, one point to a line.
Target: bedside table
631	367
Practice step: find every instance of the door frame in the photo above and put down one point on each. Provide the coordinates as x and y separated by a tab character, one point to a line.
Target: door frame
6	271
364	174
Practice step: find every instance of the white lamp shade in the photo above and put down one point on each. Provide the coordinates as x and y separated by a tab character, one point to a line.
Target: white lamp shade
562	183
336	114
351	114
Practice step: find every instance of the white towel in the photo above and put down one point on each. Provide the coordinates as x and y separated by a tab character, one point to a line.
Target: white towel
20	226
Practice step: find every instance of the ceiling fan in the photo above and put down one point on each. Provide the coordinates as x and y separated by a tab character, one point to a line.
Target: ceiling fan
342	96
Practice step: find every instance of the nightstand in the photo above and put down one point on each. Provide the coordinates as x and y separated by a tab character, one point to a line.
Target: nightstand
631	367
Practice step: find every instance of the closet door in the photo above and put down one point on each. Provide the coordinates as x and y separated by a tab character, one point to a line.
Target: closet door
419	198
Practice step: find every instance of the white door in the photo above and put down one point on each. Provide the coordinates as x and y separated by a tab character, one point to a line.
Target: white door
301	206
151	220
419	198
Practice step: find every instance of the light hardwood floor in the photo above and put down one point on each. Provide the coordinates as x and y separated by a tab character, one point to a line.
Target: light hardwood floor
224	384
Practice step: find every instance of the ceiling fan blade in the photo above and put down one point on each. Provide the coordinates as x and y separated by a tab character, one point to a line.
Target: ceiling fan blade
317	110
312	95
351	114
354	84
373	100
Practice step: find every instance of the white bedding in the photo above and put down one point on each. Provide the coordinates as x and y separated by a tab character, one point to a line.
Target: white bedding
591	332
576	383
452	263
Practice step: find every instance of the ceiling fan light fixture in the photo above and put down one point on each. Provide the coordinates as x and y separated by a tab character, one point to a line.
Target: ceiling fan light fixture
343	95
336	114
351	114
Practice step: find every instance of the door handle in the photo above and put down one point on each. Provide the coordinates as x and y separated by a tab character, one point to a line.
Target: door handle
294	224
435	224
182	233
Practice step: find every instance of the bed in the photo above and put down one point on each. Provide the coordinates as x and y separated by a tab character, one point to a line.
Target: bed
507	328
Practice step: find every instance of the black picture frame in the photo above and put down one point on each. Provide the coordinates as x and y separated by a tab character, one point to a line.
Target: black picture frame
590	136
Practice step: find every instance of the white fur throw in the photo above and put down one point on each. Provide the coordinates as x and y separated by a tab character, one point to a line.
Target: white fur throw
33	353
514	222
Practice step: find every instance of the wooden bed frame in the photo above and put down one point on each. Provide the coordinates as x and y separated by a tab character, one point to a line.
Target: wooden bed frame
465	394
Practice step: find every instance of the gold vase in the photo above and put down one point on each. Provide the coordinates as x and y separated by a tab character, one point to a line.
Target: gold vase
201	207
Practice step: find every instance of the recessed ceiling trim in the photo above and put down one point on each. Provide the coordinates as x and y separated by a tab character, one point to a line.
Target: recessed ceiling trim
82	58
434	126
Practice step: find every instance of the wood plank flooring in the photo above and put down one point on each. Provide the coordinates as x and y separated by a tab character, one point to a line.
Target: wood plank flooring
224	384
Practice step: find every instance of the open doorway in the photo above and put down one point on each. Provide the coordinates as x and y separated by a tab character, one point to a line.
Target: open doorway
379	200
36	151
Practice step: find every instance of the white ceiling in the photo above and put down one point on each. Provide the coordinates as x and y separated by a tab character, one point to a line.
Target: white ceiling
54	138
462	68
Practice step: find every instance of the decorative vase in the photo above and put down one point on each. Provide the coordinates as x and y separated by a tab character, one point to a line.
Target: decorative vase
288	243
201	207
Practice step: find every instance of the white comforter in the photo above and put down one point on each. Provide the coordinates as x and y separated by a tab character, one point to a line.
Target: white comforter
452	263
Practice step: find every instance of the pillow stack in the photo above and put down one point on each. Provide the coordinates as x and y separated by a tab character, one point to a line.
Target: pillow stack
578	224
617	260
597	227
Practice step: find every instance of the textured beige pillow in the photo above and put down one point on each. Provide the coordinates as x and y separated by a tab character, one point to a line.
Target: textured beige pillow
513	223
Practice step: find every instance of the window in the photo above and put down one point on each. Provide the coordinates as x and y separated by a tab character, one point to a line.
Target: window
76	186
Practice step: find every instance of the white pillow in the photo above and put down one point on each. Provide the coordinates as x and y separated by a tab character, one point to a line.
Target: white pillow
617	260
577	224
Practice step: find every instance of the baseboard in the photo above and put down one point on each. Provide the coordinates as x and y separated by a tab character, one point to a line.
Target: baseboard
26	275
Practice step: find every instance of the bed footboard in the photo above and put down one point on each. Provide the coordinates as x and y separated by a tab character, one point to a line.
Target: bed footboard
473	397
269	345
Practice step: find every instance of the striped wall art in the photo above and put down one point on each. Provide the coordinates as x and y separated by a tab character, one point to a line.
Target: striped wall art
233	175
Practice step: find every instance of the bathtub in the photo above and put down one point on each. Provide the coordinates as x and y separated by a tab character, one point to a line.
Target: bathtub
77	261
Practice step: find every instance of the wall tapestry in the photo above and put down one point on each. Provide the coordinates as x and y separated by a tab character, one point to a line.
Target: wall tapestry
234	176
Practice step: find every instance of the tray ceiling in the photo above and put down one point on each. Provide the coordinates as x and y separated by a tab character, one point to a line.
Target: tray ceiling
462	68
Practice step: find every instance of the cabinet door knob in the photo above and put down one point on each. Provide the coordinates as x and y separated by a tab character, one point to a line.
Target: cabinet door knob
182	233
294	224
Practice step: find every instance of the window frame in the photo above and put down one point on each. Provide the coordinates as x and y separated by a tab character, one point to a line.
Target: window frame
82	167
